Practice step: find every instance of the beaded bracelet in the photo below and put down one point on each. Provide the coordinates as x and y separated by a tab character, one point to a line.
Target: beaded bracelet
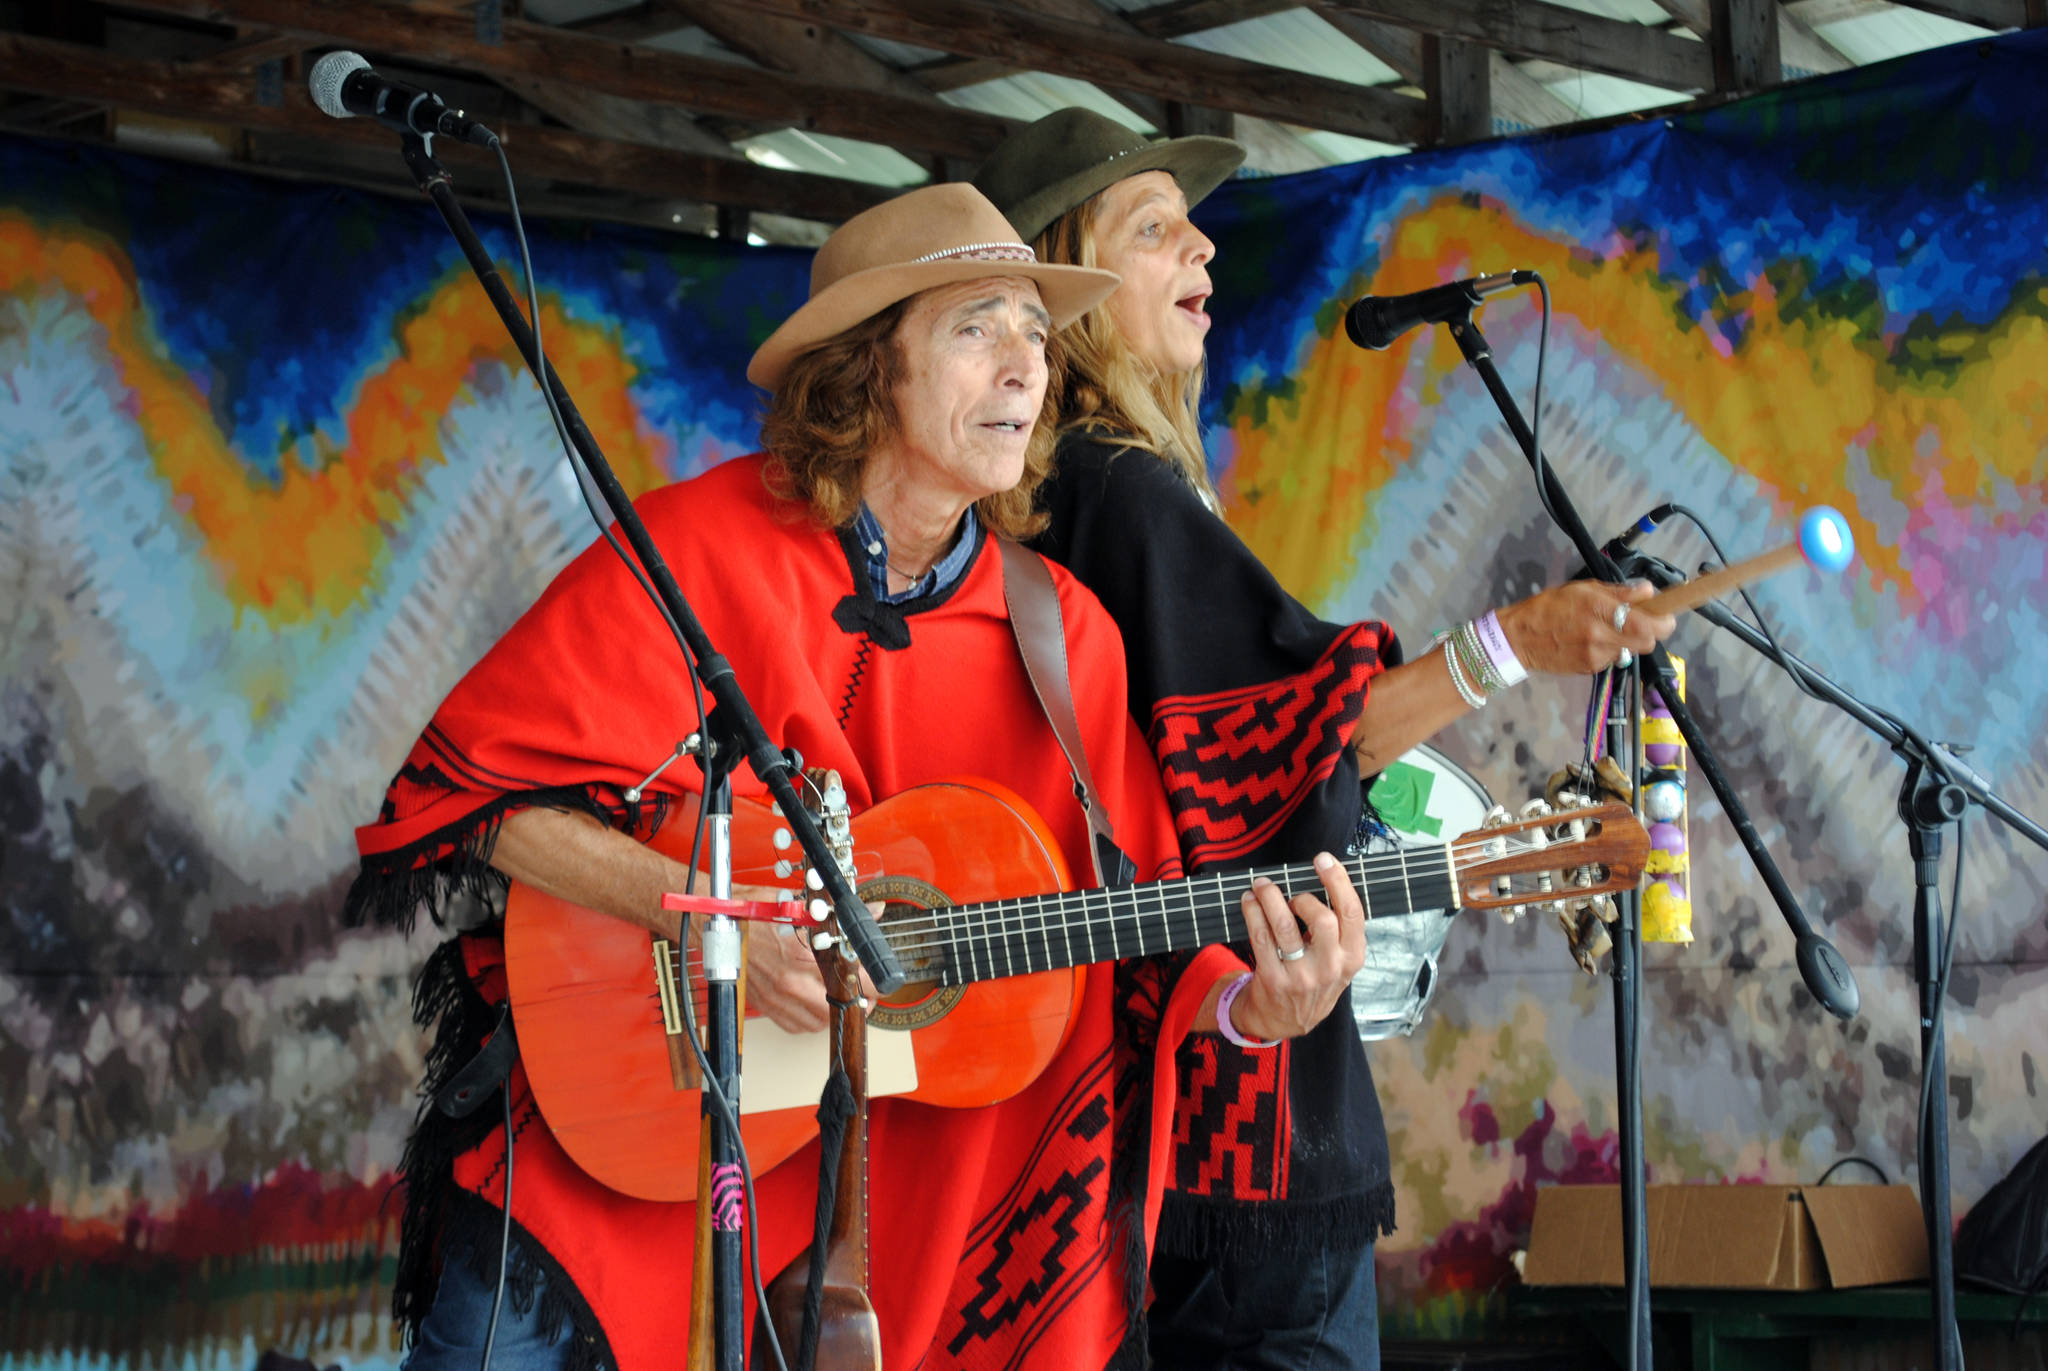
1466	690
1223	1024
1500	654
1472	657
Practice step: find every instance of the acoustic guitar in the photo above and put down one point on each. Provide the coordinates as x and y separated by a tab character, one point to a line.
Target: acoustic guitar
982	913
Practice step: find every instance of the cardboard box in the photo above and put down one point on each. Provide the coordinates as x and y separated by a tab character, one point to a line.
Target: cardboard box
1734	1237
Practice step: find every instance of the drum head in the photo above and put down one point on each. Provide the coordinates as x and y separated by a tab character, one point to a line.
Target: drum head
1426	799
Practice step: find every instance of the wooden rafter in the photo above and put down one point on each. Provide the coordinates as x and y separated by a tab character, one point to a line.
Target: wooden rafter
1020	38
543	52
42	66
1528	28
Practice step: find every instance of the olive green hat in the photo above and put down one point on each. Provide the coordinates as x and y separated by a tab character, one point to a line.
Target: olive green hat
1047	168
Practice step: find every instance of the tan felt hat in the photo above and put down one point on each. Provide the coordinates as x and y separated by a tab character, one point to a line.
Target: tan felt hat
926	237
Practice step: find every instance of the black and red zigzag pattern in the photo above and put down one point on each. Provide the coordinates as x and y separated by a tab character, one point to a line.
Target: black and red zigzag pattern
1232	1134
1238	763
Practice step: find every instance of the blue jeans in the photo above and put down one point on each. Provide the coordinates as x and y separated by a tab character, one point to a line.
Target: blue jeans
1319	1312
452	1335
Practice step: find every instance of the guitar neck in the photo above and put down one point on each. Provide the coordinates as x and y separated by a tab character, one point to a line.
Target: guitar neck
963	944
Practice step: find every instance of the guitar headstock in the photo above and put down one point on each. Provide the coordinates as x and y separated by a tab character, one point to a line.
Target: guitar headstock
1567	860
825	796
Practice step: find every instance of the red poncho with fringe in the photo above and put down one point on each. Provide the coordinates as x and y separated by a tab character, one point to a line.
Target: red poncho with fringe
1001	1236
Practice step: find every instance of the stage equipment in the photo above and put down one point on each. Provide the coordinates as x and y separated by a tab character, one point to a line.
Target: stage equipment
1824	543
1822	967
1667	903
726	734
998	944
343	85
1423	797
1937	789
1377	320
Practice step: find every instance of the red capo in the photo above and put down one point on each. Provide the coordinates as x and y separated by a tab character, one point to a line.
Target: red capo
797	912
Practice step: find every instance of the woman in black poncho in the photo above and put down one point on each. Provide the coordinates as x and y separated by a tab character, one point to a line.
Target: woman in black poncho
1257	714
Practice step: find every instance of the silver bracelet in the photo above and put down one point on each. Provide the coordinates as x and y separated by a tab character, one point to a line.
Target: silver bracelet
1466	690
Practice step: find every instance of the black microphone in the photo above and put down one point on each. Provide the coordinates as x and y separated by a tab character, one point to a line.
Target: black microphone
342	84
1377	320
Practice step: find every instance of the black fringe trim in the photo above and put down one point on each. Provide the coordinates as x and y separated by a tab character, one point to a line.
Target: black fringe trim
532	1277
440	1216
454	862
1255	1230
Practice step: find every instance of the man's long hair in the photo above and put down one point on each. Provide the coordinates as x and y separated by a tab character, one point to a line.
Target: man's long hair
836	403
1111	392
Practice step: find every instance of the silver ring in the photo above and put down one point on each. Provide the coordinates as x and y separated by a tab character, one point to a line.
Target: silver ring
1296	955
1626	660
1621	617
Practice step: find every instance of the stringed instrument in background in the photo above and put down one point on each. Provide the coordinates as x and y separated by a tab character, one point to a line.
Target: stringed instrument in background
997	944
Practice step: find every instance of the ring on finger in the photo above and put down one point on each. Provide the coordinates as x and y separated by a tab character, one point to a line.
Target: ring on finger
1621	617
1626	660
1293	954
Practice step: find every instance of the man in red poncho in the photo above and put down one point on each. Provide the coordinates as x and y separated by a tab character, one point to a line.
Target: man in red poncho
847	576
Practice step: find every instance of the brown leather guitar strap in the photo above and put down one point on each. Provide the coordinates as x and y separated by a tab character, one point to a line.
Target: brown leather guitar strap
1034	604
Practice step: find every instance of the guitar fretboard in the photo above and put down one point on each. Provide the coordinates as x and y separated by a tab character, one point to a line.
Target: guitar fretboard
963	944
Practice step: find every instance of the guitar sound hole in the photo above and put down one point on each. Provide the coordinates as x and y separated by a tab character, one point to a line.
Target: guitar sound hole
905	923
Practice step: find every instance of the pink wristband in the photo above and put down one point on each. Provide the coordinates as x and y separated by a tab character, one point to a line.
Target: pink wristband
1498	651
1223	1024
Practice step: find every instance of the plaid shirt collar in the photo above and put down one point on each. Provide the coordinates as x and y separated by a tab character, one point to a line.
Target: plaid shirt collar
867	531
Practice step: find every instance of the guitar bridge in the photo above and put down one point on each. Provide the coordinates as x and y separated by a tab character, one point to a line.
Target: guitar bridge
665	988
682	1062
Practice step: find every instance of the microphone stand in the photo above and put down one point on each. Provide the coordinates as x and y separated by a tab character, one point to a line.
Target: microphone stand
733	730
1935	791
1823	969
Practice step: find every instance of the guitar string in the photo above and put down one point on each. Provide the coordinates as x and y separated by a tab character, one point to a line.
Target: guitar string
980	933
985	921
1293	878
1382	865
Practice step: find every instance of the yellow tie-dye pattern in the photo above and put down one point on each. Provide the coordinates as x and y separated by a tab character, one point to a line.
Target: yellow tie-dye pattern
1789	404
309	544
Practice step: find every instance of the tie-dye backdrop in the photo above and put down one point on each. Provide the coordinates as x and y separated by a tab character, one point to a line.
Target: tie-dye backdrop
271	481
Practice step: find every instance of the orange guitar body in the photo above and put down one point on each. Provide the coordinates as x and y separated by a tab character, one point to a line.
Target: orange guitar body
584	994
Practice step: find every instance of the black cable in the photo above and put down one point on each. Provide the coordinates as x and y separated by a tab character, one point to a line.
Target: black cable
504	1235
1536	410
727	1115
1883	1177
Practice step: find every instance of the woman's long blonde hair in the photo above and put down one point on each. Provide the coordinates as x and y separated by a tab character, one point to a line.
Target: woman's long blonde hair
1110	391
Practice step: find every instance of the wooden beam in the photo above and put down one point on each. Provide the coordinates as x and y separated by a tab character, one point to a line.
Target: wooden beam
1745	43
69	70
1399	48
811	51
637	24
543	52
976	28
1178	18
1989	14
1529	28
1457	83
609	116
246	52
1802	52
1186	121
952	73
1520	101
1697	15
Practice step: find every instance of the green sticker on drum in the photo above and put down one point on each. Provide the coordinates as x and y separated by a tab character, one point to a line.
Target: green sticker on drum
1401	795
